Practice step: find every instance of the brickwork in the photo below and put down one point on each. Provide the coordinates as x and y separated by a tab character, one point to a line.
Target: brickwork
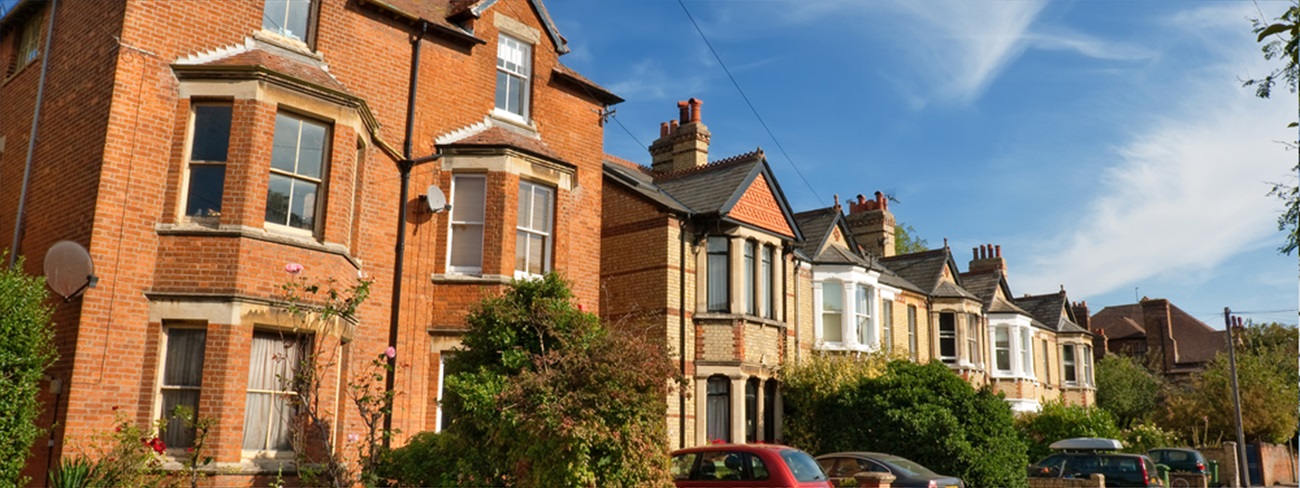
111	172
758	206
1095	480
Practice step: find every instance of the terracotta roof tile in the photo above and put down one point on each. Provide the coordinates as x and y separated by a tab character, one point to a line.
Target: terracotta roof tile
306	71
496	136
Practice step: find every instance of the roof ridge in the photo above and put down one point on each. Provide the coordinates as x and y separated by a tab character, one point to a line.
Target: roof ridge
756	153
627	163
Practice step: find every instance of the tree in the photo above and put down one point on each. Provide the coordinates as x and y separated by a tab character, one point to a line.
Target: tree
1059	421
1282	37
921	412
542	394
1202	410
26	349
1126	389
906	241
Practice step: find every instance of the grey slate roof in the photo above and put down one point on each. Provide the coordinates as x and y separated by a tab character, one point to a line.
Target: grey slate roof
985	285
641	183
816	226
709	188
925	270
1052	310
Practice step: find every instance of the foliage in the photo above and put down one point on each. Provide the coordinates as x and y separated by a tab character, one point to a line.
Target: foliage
1058	421
820	378
906	241
327	308
195	456
1282	37
26	349
921	412
542	394
1126	389
1143	437
1202	411
128	455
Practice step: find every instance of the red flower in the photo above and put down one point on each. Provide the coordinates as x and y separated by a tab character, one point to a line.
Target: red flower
189	449
157	444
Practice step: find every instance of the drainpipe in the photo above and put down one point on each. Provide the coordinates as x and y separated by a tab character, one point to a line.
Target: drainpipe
681	339
19	218
404	167
797	341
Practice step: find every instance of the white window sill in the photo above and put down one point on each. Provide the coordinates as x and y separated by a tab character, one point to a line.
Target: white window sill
513	119
290	231
286	42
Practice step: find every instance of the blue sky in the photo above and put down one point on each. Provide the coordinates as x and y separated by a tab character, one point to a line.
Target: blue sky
1106	146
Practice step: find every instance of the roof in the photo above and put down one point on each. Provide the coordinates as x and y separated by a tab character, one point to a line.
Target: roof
293	66
816	226
593	89
634	179
1052	310
1197	342
499	137
925	270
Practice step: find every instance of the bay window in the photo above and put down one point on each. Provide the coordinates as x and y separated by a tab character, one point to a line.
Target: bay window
719	271
274	359
182	377
973	339
1027	352
1068	365
751	298
768	292
887	324
718	409
948	337
533	233
832	311
862	310
465	251
297	168
1002	349
209	145
911	332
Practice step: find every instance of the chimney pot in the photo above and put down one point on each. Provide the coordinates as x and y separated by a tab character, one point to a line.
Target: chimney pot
695	104
672	126
663	129
975	252
683	112
998	250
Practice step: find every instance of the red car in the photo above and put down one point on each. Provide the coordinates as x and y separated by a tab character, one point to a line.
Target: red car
746	465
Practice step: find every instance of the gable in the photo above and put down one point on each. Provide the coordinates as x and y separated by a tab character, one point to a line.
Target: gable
759	207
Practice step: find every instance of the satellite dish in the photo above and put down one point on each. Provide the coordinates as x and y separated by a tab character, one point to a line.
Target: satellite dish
68	269
435	199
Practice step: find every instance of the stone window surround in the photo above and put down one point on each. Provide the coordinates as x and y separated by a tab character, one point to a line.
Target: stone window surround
487	160
738	377
525	34
961	311
334	114
737	237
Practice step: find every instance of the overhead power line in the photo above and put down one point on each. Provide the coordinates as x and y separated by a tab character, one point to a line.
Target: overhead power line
747	102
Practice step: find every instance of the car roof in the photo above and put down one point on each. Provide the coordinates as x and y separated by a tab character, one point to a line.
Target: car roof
866	454
1086	444
734	447
1183	449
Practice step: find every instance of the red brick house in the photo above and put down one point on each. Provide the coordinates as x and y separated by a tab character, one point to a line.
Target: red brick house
1174	342
701	254
196	148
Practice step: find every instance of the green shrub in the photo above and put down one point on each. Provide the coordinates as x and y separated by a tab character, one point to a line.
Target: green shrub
1126	389
1143	437
26	349
921	412
542	394
1058	421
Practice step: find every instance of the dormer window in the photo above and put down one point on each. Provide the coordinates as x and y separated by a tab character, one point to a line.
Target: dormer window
289	18
514	69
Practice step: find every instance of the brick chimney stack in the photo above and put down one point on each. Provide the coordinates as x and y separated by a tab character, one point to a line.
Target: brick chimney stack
684	146
872	225
1159	326
987	257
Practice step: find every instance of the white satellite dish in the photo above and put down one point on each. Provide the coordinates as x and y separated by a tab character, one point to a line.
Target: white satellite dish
68	269
435	199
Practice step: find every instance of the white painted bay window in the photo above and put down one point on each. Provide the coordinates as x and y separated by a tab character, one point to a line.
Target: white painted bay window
465	251
832	312
866	332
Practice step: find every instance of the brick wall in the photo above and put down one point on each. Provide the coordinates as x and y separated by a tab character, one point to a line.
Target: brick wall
109	173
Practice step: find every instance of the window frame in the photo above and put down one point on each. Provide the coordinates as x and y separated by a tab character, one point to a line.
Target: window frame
749	267
1069	366
452	223
825	310
1027	352
725	412
973	355
752	386
913	348
1047	366
1002	349
864	326
163	387
321	182
720	279
1087	365
310	24
949	336
524	74
547	234
305	345
887	325
192	133
27	44
766	280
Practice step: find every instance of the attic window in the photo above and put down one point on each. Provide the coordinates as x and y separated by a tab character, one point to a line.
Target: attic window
514	69
289	18
28	44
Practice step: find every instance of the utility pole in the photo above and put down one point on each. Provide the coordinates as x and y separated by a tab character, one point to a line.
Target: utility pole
1229	322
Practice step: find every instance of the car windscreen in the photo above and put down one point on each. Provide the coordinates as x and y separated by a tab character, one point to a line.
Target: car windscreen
802	466
909	468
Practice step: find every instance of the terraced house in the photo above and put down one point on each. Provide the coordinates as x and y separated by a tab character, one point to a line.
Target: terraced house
197	148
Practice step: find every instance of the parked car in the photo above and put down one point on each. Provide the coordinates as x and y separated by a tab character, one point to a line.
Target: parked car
907	473
1179	459
746	465
1084	456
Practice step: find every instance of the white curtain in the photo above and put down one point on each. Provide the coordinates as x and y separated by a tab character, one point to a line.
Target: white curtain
719	409
272	361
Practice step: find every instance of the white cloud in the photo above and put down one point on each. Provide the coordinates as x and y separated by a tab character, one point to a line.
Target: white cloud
1187	193
648	80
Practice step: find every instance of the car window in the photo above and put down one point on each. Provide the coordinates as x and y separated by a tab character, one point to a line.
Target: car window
757	468
682	464
802	465
828	465
721	465
910	468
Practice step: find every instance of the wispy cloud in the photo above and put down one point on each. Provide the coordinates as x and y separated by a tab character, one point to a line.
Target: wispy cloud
649	80
1186	194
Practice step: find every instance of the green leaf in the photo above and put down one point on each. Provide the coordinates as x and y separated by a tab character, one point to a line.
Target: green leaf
1274	29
